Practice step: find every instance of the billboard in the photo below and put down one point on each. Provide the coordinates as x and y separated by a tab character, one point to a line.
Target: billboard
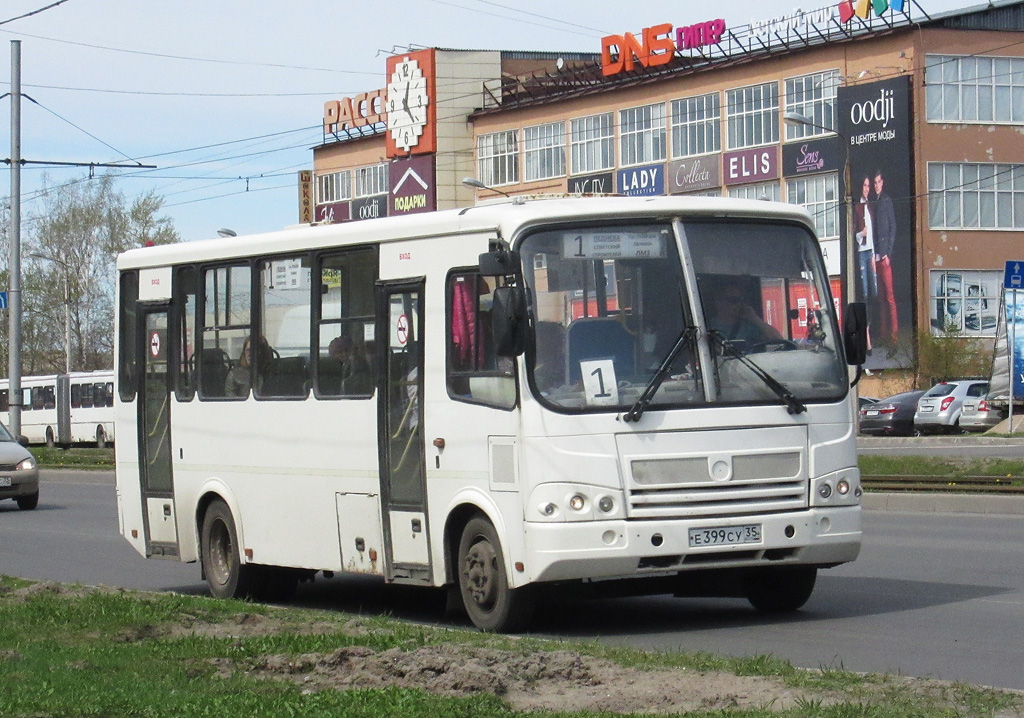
875	119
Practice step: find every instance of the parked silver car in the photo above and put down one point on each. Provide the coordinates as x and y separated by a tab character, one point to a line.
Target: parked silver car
19	476
940	407
979	415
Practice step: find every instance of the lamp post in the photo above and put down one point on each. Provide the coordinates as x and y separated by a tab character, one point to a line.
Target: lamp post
796	119
67	305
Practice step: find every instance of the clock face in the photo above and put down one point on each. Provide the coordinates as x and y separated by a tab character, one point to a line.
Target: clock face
406	103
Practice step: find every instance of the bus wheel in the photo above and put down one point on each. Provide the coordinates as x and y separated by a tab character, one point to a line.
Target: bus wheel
50	441
226	576
101	438
483	583
780	590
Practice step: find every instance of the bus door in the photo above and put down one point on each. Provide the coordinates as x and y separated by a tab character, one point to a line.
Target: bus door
155	436
401	449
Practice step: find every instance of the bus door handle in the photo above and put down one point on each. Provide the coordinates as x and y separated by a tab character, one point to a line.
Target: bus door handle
417	526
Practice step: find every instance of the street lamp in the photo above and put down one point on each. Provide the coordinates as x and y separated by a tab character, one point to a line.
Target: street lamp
67	305
795	119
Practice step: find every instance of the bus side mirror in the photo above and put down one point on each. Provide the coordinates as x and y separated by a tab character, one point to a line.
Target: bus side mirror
855	333
499	263
508	321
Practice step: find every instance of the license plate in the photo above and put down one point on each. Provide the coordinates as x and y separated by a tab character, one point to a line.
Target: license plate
5	480
925	409
725	535
872	413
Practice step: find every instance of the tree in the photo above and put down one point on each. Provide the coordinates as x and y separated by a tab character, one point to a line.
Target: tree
69	249
950	355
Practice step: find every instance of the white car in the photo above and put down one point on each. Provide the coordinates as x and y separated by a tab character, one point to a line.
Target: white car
940	407
19	476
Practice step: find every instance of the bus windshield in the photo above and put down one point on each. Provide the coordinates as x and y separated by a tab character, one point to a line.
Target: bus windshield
727	311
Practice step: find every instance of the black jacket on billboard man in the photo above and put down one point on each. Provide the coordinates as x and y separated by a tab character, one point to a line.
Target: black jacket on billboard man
885	244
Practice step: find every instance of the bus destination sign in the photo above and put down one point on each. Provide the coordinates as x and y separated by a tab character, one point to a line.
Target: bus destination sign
613	245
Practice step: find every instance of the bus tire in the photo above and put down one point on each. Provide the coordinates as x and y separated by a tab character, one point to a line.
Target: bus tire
226	575
483	583
50	440
780	590
101	438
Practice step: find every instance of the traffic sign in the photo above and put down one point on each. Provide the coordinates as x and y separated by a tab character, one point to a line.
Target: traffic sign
1013	277
3	300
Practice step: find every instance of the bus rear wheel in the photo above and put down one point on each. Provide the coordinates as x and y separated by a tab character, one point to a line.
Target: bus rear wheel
50	440
226	575
101	438
491	603
780	590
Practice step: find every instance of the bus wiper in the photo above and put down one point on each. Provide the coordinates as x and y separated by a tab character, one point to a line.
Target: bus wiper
686	336
793	405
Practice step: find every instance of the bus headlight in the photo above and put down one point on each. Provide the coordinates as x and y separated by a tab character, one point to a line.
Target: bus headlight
843	487
825	490
577	502
606	504
563	502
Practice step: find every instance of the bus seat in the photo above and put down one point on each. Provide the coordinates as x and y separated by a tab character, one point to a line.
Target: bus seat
287	377
213	371
600	338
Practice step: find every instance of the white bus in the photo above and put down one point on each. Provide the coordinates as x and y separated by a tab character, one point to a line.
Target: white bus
64	409
496	400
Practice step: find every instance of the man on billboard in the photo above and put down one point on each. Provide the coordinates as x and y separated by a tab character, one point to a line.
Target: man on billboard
885	244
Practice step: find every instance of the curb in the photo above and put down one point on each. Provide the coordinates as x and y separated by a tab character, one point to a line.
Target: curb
989	504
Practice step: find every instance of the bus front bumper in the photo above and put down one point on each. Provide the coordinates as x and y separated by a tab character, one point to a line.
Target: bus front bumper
634	548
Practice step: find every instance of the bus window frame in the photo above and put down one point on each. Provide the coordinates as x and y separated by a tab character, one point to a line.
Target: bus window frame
201	326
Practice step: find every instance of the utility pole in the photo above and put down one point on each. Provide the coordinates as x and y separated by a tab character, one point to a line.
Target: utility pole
14	393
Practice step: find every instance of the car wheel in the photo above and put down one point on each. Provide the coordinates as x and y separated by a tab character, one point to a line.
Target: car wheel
27	503
780	590
226	575
491	604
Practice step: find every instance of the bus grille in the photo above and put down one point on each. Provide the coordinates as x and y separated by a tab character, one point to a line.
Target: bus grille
717	486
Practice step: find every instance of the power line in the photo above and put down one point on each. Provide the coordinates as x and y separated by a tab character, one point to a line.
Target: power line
34	12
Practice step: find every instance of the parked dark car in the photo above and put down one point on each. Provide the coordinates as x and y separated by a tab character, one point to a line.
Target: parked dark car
892	416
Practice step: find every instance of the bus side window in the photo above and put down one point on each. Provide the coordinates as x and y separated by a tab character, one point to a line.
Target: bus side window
227	324
76	396
127	368
284	321
183	322
475	374
345	358
4	404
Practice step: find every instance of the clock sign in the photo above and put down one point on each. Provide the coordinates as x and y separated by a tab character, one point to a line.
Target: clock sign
408	103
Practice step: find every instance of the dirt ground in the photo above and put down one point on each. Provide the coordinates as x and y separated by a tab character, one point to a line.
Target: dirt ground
561	680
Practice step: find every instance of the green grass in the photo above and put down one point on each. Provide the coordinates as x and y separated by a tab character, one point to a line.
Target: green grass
83	653
951	467
74	458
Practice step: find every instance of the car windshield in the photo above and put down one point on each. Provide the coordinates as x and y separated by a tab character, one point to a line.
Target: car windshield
5	435
613	305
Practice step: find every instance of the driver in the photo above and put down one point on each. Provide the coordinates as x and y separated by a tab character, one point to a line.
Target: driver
736	320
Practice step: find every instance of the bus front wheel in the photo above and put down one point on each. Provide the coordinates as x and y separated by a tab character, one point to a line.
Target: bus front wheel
491	603
226	575
780	590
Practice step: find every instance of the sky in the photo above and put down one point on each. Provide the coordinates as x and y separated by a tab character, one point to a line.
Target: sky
226	97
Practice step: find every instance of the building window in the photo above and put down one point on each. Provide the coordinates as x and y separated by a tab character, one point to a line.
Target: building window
696	125
819	195
814	97
752	115
498	158
371	180
544	151
592	143
965	301
974	89
642	135
982	196
333	187
763	190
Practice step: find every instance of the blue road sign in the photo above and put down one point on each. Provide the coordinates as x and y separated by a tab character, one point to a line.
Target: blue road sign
1013	278
3	300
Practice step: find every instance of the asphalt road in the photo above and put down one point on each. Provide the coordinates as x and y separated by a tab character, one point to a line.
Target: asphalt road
933	594
973	446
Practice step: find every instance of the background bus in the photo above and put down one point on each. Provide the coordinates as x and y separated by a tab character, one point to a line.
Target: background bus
65	409
610	404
